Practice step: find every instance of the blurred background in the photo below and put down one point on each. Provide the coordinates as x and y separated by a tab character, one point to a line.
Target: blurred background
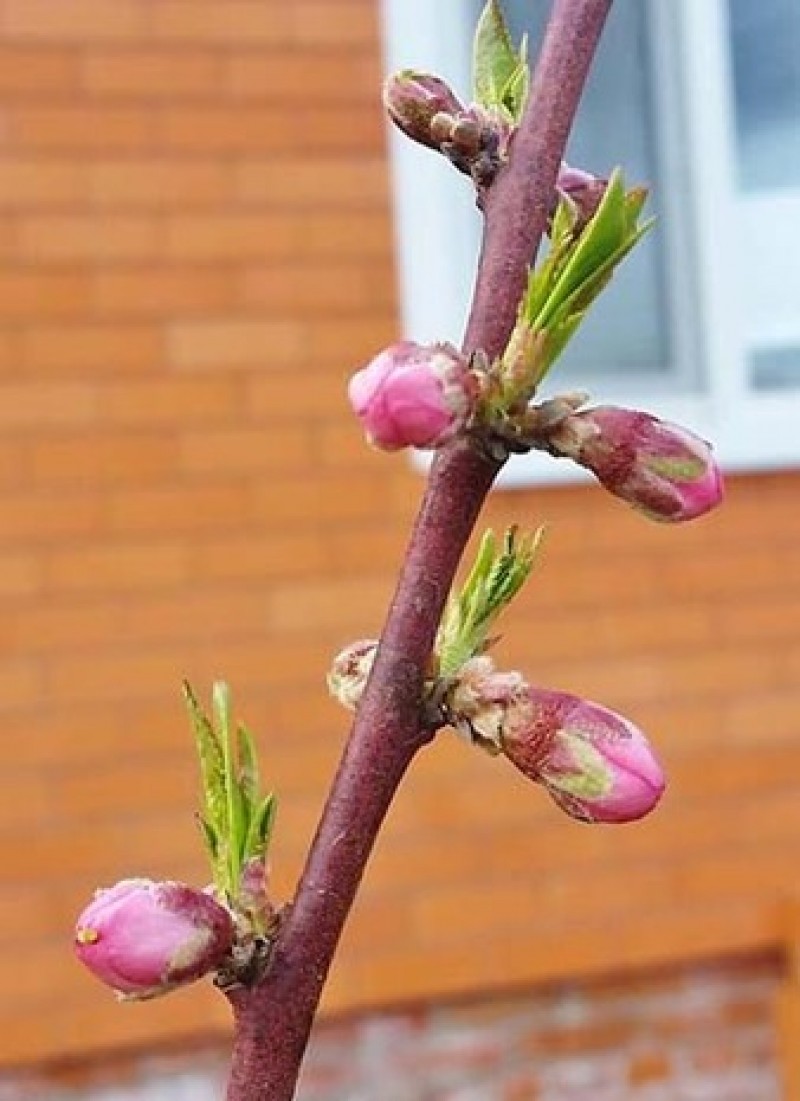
197	247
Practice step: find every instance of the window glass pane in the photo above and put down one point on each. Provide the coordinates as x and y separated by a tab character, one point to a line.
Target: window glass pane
627	331
766	71
775	368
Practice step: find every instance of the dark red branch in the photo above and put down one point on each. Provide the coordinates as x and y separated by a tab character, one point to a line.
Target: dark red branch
273	1020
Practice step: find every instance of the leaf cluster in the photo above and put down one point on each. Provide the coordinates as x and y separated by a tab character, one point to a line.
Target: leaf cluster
497	575
579	266
236	821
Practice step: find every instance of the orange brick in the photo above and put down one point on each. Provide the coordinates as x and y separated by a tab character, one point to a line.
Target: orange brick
314	498
57	238
314	182
341	446
157	182
27	295
8	238
48	517
14	462
333	77
106	677
160	291
102	458
376	547
258	556
242	450
346	604
349	341
43	182
234	343
259	129
273	396
20	574
167	401
334	24
75	19
38	71
32	405
116	568
261	664
26	912
90	733
320	290
245	22
231	236
148	74
25	801
87	350
115	788
168	509
81	129
345	236
179	616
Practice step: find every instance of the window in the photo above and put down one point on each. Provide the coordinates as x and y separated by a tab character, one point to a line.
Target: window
701	101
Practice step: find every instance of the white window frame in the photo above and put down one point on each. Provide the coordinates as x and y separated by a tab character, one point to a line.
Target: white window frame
731	233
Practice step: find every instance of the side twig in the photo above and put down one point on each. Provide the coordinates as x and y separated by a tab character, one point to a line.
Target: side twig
274	1018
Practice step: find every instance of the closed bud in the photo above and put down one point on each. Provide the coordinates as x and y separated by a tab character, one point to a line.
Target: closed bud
584	190
479	700
413	395
412	100
595	764
661	469
253	899
350	670
144	938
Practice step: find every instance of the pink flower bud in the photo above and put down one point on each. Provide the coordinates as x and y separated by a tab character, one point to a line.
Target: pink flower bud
143	938
596	765
413	99
349	672
659	468
412	395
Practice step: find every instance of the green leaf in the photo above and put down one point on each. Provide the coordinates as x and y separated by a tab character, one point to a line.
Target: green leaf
497	575
577	269
212	761
261	826
237	816
247	759
500	75
210	838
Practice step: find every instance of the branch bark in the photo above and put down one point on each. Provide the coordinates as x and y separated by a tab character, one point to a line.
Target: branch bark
273	1019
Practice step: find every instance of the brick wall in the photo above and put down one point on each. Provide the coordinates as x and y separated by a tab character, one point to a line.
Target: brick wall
195	249
688	1035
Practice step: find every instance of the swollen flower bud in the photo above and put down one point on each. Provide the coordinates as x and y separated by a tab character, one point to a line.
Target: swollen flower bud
143	938
659	468
596	765
413	99
349	672
413	395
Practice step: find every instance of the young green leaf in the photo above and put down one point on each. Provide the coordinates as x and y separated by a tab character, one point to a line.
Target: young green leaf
261	825
212	761
247	759
210	839
494	580
499	70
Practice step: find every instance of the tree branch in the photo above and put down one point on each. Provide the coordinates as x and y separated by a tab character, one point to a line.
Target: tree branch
274	1018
